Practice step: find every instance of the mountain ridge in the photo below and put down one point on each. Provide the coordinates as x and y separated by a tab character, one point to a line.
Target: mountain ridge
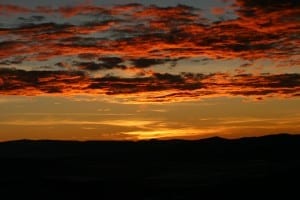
144	170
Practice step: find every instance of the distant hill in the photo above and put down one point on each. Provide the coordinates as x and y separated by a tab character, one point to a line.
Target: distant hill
174	169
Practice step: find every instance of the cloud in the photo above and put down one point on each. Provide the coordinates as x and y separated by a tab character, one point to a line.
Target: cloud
179	13
70	11
268	6
134	37
9	8
158	87
20	82
159	33
11	49
65	11
148	62
32	19
217	11
102	63
93	66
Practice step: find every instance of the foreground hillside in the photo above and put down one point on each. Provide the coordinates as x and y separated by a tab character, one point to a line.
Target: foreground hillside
174	169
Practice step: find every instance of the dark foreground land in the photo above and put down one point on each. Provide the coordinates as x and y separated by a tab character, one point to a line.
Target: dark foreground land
251	168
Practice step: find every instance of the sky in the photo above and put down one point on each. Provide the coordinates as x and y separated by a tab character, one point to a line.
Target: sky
132	70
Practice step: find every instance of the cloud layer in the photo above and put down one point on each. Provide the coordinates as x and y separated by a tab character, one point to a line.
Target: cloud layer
155	88
135	38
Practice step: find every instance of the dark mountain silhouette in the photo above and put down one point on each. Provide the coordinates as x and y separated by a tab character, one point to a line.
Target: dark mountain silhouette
254	167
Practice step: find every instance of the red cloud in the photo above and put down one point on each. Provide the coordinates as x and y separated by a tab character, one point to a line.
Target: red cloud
9	9
174	32
179	12
142	36
80	9
158	87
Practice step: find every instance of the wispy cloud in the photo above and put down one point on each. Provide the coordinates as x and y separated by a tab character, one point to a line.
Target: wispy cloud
123	123
135	129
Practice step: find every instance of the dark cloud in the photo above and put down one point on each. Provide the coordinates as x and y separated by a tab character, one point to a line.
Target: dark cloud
20	82
268	5
13	60
104	63
157	82
92	66
11	49
145	36
147	62
186	86
32	19
87	56
70	11
111	60
65	11
177	14
149	35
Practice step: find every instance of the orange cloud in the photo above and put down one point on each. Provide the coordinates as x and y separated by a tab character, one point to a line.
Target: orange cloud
134	37
158	87
159	33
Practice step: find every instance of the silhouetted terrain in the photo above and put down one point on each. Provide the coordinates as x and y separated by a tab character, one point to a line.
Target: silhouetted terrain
266	166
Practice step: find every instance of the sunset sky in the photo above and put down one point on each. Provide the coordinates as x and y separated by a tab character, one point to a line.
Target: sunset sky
129	70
